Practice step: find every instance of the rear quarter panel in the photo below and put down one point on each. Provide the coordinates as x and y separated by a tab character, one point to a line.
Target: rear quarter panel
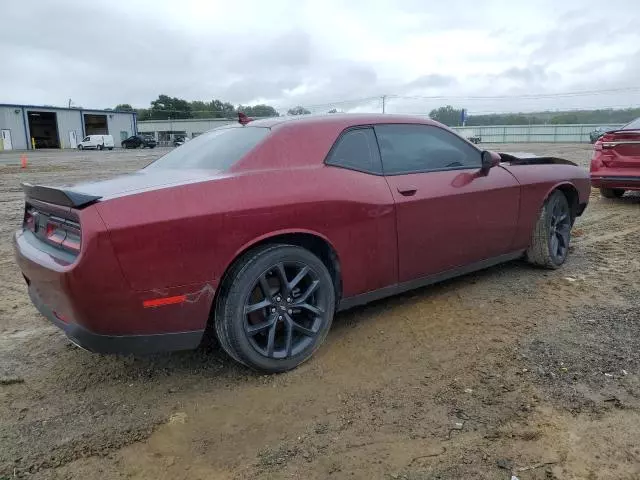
190	234
537	183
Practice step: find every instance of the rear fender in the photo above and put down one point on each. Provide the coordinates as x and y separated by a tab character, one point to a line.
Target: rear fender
274	234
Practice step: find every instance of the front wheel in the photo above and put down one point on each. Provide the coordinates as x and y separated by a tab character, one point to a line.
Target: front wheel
551	235
612	192
80	147
275	308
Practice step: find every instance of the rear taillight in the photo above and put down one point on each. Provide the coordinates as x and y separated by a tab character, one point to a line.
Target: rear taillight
63	233
29	220
57	231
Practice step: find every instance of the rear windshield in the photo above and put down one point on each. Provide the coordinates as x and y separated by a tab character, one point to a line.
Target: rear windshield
215	150
635	125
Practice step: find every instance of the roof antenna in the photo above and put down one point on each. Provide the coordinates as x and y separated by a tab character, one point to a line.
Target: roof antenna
243	119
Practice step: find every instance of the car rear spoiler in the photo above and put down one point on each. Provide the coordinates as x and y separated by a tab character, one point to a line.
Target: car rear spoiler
59	196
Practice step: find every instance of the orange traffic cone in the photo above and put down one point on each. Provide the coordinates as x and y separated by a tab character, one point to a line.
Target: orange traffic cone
23	161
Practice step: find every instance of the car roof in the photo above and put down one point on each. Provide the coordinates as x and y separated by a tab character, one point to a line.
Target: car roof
342	120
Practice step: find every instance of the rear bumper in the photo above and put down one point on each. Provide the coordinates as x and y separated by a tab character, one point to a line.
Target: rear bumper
616	181
97	310
122	344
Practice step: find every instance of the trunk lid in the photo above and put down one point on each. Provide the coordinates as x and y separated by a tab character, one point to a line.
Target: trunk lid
84	194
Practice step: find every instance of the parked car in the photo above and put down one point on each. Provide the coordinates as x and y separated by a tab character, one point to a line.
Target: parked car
180	141
615	165
262	232
138	141
96	142
595	134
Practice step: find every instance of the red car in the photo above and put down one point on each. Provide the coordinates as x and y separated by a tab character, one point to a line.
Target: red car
615	166
262	231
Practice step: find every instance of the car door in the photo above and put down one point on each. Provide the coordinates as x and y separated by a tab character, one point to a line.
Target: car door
448	212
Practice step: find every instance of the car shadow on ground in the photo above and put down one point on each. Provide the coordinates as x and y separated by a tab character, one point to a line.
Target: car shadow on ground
210	361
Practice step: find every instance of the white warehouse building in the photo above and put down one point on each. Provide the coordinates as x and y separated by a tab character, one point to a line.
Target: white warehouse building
165	131
26	127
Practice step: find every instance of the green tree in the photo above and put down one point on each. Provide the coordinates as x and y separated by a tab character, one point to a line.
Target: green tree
258	110
169	107
298	111
123	107
212	109
448	115
143	114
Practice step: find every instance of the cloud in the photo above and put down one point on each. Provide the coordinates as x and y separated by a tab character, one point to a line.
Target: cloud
433	80
320	54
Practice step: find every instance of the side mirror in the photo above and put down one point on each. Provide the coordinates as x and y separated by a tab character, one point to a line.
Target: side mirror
489	160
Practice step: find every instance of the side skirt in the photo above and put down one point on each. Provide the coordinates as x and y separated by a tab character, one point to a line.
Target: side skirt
350	302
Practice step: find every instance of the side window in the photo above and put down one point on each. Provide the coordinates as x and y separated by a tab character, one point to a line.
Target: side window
356	150
86	139
423	148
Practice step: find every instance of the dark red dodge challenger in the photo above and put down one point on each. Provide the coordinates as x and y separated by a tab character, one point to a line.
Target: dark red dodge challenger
261	231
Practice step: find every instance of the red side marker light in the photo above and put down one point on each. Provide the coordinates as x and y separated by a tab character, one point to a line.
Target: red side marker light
159	302
243	119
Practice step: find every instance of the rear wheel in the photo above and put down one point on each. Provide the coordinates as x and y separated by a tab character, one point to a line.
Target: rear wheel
275	308
100	147
612	192
551	235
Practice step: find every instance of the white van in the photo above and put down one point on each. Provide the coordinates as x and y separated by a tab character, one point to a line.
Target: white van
99	142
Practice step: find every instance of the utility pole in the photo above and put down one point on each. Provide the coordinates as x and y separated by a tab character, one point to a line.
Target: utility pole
384	98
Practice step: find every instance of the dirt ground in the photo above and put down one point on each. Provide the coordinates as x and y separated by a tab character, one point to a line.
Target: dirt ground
509	371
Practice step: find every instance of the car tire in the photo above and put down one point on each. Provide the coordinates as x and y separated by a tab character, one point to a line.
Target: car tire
80	147
283	327
110	148
551	235
100	147
612	192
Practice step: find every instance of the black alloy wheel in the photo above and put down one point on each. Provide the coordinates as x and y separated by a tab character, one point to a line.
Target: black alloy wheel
551	234
275	308
560	228
285	310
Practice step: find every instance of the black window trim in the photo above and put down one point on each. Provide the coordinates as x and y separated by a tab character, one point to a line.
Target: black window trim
346	167
430	170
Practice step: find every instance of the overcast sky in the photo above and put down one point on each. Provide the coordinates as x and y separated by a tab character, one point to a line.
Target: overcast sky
103	52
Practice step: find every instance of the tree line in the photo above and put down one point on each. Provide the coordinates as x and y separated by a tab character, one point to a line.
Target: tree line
166	107
452	117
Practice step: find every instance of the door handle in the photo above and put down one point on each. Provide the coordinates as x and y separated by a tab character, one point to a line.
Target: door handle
407	191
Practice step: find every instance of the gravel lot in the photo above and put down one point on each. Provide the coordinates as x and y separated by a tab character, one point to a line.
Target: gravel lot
512	370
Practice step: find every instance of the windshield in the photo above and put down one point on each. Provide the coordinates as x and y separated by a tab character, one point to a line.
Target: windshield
215	150
635	125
